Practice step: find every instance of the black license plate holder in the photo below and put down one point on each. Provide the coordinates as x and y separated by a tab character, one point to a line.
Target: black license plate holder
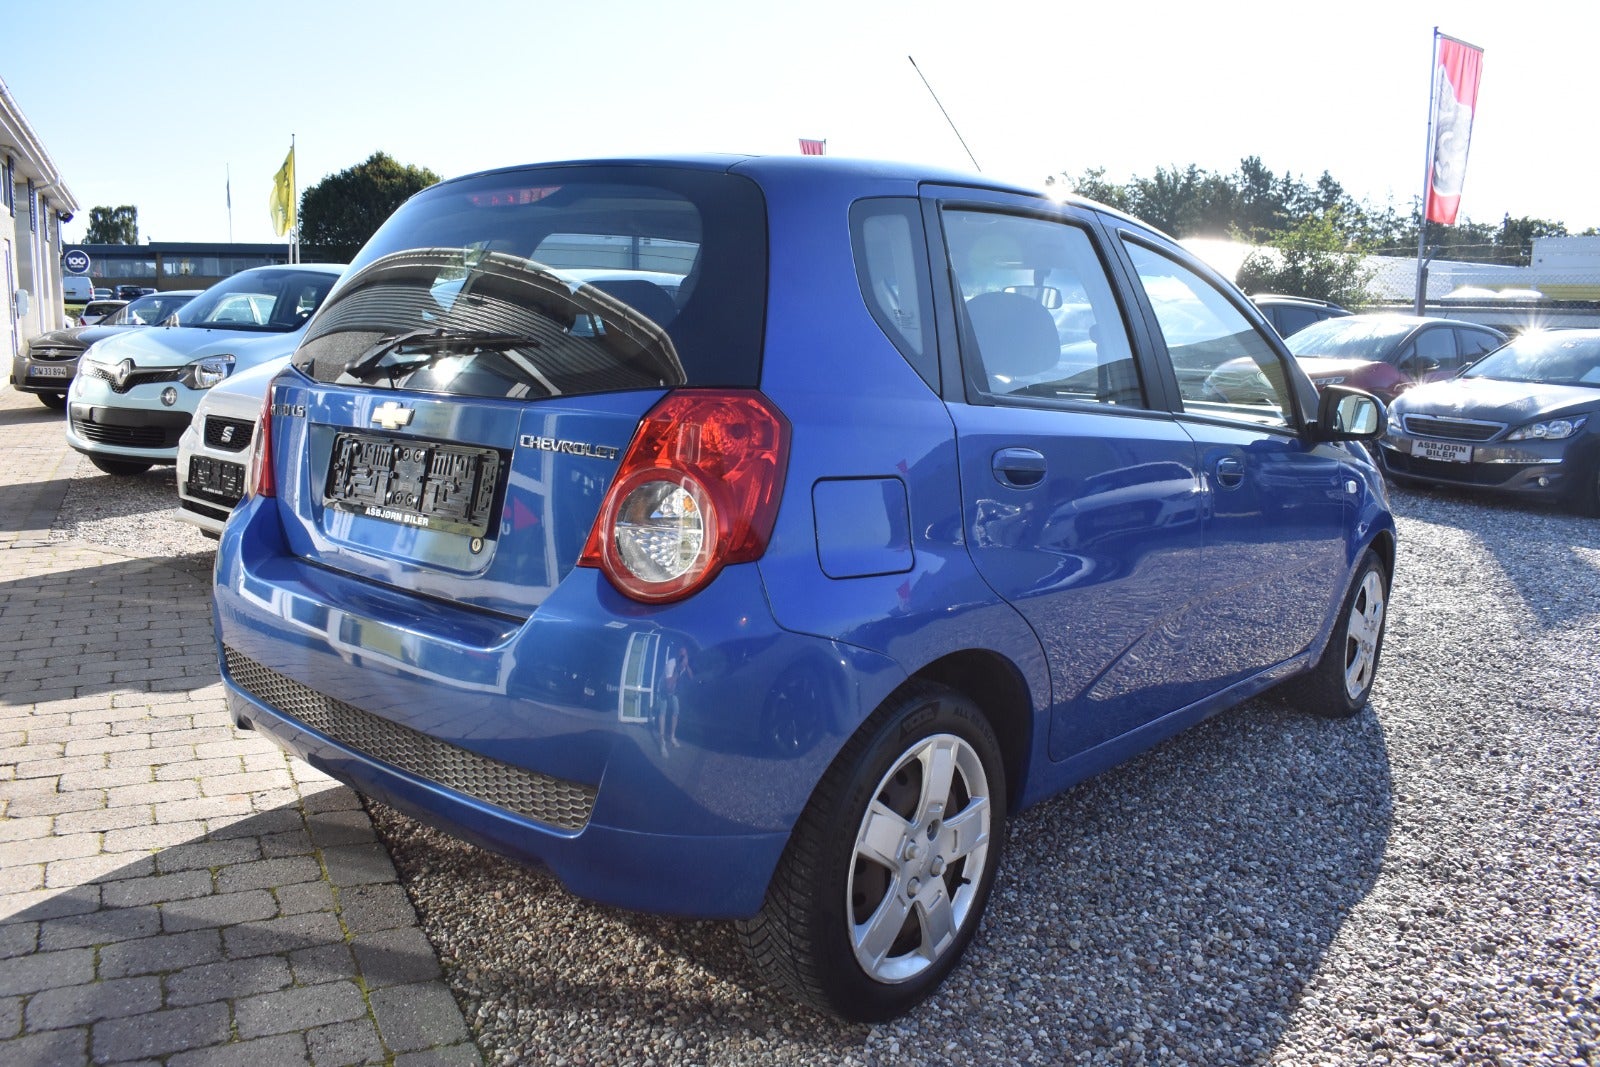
414	482
215	479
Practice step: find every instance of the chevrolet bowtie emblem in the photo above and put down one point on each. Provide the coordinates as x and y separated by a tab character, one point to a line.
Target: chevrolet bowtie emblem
392	416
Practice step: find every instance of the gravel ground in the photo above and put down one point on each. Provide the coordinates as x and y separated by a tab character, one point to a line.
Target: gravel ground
1419	885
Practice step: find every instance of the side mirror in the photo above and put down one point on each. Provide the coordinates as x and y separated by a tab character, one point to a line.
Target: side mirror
1346	414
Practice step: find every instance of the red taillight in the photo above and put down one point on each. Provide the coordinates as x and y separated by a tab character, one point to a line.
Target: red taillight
261	449
698	488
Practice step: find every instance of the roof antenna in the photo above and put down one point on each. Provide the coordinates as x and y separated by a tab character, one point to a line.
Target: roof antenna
946	115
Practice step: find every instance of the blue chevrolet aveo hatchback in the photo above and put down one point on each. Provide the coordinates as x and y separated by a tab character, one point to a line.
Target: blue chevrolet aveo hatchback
748	538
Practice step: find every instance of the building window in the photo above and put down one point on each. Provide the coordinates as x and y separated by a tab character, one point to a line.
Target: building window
9	193
33	208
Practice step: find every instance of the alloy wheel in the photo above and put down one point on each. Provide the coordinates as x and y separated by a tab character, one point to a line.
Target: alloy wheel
920	854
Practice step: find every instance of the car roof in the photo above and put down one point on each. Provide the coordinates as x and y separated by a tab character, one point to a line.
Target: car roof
1285	298
760	167
274	268
764	169
1415	320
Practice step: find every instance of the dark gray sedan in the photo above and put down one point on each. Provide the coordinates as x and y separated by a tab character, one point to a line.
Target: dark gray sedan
45	365
1524	419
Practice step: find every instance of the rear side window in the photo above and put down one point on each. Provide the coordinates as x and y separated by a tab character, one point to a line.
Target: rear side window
892	267
554	282
1289	320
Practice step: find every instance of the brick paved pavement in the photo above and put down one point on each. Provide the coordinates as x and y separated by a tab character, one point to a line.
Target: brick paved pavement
173	890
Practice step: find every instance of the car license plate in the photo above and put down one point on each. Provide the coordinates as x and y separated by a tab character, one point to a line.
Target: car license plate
50	370
418	483
1443	451
215	479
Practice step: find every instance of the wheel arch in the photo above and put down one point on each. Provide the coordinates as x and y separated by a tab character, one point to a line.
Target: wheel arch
997	686
1383	543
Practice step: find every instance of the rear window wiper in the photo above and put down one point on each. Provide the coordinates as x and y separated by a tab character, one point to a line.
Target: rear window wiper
438	340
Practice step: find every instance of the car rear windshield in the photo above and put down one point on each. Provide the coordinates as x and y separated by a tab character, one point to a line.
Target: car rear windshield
553	281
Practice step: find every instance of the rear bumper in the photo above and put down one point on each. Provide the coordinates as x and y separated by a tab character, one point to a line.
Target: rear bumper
721	876
496	730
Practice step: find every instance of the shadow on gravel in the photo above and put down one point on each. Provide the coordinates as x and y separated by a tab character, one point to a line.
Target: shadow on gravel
1539	547
200	922
135	624
1194	890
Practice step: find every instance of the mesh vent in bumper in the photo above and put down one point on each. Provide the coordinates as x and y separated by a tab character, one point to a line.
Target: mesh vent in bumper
536	796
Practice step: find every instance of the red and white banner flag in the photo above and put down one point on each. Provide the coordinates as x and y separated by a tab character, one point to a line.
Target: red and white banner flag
812	148
1457	66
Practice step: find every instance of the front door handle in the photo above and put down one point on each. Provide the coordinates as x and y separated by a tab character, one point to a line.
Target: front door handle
1230	472
1019	468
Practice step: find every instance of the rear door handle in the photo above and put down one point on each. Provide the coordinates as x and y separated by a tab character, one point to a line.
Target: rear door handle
1230	472
1020	468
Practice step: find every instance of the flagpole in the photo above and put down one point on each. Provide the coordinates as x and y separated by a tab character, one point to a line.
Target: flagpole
230	203
294	191
1427	183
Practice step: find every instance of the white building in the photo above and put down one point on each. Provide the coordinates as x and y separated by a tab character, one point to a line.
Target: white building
34	202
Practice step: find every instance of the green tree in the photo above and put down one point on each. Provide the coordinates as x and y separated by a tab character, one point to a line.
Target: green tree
113	226
340	212
1316	259
1093	185
1516	238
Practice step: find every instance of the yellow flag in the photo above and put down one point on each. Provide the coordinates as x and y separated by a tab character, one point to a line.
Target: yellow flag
282	203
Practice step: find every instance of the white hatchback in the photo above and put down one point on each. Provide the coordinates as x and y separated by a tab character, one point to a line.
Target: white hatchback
214	453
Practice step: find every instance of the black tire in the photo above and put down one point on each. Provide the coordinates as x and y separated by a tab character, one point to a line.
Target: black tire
58	401
1341	682
122	468
825	891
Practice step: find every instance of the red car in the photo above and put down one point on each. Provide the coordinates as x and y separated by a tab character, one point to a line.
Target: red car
1388	354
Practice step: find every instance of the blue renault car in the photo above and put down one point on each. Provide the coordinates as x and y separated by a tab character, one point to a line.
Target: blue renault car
748	537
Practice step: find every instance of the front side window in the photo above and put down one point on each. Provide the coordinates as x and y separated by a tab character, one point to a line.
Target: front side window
1040	320
1225	368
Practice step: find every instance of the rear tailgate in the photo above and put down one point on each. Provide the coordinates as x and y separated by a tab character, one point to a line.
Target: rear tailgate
479	502
461	402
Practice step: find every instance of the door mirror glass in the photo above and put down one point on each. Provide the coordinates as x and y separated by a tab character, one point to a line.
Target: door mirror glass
1350	415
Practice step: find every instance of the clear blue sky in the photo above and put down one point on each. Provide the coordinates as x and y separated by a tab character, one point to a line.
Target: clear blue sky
155	105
